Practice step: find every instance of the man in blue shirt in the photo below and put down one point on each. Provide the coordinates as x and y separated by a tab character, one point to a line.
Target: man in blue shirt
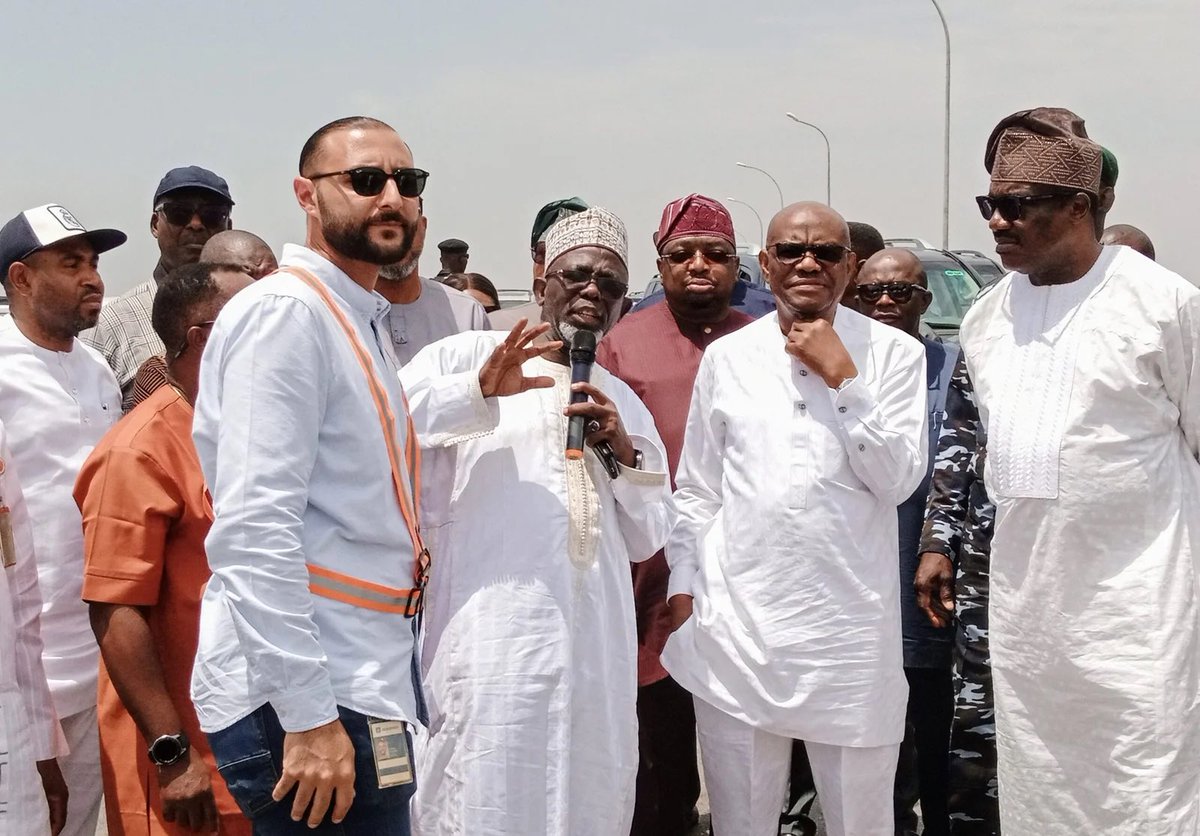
892	289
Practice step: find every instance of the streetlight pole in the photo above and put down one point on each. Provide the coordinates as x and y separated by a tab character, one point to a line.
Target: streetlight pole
828	167
761	232
769	177
946	153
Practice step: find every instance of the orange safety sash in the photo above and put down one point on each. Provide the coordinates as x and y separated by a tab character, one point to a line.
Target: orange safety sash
345	588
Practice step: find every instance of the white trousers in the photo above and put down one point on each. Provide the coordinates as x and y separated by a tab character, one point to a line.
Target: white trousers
746	772
81	769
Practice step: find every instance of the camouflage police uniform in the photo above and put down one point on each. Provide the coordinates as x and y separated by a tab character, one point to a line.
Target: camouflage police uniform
959	523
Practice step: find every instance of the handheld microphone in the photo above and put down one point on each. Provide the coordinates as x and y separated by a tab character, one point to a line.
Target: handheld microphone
583	355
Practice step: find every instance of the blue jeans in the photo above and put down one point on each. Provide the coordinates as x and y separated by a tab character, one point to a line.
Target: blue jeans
250	756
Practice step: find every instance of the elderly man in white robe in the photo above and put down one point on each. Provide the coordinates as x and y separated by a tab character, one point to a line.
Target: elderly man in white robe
806	430
1084	361
530	651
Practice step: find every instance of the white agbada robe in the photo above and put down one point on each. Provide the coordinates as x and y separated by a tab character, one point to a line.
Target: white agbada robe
787	532
1091	397
530	653
29	729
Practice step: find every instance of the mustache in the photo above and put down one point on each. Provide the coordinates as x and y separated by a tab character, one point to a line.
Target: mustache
387	217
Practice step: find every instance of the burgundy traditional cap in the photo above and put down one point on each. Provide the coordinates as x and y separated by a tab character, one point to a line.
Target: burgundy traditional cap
694	215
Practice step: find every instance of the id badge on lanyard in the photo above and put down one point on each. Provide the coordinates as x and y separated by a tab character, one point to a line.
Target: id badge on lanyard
389	745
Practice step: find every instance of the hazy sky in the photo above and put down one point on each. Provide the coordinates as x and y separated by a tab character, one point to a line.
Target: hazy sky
627	103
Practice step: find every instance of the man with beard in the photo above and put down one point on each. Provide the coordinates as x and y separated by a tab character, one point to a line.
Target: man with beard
806	430
1084	368
191	205
657	351
423	311
57	399
305	665
530	639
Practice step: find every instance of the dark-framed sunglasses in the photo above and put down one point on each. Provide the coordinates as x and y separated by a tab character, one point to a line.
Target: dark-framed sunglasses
791	252
212	215
900	292
368	181
712	256
576	280
1011	207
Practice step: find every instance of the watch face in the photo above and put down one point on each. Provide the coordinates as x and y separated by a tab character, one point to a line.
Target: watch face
168	749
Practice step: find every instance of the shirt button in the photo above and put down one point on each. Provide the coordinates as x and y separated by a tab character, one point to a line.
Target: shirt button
841	409
803	373
803	407
707	329
861	447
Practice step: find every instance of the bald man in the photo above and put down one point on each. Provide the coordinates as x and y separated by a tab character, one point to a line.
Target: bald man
807	428
242	249
1129	236
892	289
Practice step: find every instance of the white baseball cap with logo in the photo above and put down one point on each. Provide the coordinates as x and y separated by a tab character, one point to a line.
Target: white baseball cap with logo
38	228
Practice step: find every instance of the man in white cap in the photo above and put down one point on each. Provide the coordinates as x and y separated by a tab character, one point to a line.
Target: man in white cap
57	398
530	648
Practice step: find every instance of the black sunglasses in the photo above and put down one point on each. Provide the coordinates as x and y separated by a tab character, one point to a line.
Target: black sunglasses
369	181
681	257
576	280
181	214
1011	207
790	252
900	292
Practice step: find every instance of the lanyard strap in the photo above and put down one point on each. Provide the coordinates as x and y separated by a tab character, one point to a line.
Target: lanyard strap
412	458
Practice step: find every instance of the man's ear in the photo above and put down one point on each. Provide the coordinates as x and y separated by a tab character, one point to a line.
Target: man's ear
306	195
927	300
154	224
19	279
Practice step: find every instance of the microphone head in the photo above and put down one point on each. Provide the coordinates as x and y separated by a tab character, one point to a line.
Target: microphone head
583	347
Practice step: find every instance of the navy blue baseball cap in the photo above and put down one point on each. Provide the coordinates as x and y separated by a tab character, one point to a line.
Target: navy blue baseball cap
37	228
192	177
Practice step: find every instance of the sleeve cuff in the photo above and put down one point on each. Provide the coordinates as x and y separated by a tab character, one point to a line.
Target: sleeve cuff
852	401
681	581
306	710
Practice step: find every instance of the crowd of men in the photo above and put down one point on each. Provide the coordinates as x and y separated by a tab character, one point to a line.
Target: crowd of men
316	544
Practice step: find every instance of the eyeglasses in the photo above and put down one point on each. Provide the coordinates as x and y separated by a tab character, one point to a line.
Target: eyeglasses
790	252
177	353
900	292
369	181
576	280
681	257
213	216
1011	207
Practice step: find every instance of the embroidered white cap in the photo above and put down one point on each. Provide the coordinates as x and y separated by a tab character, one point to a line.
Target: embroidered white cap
595	227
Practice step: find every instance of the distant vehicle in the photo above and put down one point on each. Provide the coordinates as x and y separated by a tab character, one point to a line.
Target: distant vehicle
513	298
954	286
985	268
909	243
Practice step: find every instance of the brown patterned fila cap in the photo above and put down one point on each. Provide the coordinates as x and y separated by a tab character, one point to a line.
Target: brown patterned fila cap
1047	146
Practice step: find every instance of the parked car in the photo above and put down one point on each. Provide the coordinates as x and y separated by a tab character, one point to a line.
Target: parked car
512	298
954	286
986	269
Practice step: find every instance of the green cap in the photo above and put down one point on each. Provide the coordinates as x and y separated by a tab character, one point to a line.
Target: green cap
552	213
1108	167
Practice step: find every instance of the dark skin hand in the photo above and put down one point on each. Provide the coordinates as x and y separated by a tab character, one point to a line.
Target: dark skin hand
55	787
934	584
815	344
601	410
131	657
501	375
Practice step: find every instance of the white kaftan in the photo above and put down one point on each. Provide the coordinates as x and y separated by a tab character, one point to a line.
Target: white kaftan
1091	397
28	727
786	537
530	653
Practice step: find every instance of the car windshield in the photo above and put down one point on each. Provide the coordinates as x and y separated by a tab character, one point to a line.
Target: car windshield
953	290
984	268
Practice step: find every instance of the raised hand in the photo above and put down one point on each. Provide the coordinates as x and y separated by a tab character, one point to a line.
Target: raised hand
501	375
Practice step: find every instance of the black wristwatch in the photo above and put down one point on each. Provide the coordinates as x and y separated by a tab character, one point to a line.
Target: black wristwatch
168	749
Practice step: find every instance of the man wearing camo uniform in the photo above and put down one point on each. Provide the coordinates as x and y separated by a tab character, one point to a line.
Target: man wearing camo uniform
958	534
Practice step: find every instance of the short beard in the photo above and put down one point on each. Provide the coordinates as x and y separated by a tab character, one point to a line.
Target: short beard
354	241
400	271
566	332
